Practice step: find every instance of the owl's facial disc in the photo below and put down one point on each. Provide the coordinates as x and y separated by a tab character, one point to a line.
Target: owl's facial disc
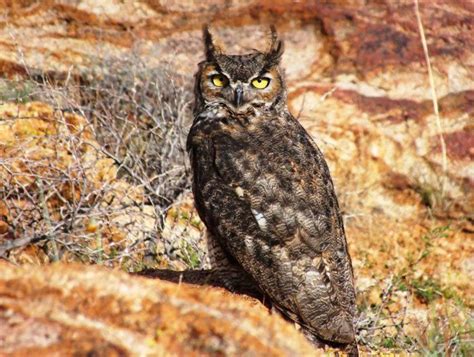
259	89
240	82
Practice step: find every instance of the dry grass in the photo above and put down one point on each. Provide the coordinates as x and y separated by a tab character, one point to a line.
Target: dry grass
411	310
97	190
433	94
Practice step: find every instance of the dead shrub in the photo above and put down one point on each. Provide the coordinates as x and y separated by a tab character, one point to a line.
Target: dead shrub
96	189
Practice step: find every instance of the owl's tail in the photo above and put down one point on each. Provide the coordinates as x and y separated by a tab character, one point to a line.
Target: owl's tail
351	349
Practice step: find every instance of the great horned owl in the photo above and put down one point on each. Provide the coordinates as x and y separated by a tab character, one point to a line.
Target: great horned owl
264	192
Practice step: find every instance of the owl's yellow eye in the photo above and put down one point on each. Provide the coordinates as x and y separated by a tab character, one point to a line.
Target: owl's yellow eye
219	80
261	82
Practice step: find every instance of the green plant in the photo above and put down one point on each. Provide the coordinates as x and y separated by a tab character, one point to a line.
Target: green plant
190	255
383	325
19	91
427	290
449	334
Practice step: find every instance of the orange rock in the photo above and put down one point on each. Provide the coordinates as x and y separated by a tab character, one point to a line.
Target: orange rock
76	309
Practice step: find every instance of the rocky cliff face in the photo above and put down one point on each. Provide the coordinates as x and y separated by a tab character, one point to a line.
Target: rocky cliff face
368	60
358	81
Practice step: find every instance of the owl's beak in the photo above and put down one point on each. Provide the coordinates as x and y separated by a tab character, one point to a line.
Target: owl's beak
238	96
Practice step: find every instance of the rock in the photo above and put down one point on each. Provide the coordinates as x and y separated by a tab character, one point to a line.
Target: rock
357	81
78	310
368	57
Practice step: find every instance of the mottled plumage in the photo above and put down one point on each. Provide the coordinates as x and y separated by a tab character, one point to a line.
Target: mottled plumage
263	189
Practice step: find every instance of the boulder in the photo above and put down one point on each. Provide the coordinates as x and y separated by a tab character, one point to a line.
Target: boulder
90	310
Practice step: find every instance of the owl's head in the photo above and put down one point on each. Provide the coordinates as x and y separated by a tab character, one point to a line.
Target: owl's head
240	81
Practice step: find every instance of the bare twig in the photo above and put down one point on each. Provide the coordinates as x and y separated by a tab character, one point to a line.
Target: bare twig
47	218
18	243
136	116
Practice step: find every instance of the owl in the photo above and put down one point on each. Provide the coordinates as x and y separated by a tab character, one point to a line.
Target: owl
264	192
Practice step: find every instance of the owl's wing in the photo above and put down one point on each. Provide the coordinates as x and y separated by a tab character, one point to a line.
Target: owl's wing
268	196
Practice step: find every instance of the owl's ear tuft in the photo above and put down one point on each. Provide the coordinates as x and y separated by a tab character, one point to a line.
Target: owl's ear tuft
274	53
210	48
